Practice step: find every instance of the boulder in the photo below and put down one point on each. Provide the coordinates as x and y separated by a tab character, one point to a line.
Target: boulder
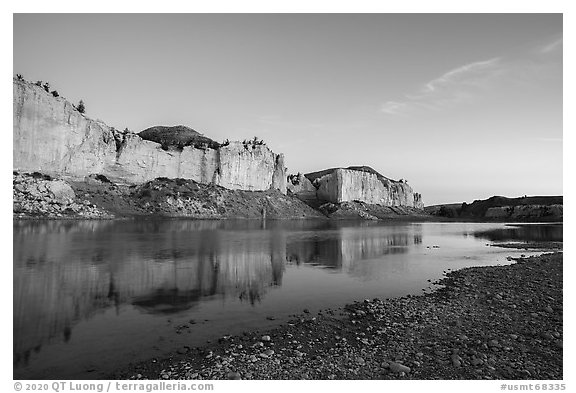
60	191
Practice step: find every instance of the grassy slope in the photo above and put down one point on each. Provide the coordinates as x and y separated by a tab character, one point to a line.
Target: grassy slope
185	198
176	136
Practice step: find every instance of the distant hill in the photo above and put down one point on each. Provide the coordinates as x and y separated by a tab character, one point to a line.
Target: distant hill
177	137
444	210
502	208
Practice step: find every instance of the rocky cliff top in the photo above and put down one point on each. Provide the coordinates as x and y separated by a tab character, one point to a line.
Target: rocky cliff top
177	137
315	175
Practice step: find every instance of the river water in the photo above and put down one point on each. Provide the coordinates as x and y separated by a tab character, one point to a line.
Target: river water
90	296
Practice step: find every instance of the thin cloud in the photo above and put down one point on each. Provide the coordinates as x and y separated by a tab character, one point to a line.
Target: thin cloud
552	46
468	81
393	107
466	74
451	87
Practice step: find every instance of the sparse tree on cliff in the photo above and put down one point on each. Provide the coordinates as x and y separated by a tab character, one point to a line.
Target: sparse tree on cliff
81	107
46	87
19	77
255	141
55	93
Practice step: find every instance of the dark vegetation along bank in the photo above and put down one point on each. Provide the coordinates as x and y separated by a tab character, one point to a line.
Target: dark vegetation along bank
37	195
499	322
41	196
498	208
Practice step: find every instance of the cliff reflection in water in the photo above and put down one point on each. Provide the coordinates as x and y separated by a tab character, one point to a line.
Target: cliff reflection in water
350	245
524	232
65	272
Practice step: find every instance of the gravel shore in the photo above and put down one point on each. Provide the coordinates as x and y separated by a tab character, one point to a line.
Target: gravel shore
500	322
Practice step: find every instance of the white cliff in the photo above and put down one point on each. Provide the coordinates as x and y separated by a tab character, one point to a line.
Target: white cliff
52	137
250	167
343	185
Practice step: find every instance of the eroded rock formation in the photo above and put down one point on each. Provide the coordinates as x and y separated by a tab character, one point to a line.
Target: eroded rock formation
52	137
362	184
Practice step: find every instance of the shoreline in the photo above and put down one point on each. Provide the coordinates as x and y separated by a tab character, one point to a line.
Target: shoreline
492	322
432	219
38	196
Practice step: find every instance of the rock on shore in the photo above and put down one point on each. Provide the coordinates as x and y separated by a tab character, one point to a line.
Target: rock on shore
365	211
500	322
39	196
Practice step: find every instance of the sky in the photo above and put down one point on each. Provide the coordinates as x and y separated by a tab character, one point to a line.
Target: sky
463	106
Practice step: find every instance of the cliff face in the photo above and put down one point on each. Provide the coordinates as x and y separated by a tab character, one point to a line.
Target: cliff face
342	185
51	136
250	167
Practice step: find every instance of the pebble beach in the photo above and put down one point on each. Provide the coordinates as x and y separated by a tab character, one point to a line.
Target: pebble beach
496	322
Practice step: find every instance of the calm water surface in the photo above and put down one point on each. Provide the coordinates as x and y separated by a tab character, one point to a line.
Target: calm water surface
90	296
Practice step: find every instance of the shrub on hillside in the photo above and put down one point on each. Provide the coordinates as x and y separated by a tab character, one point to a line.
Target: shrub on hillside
81	107
253	142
